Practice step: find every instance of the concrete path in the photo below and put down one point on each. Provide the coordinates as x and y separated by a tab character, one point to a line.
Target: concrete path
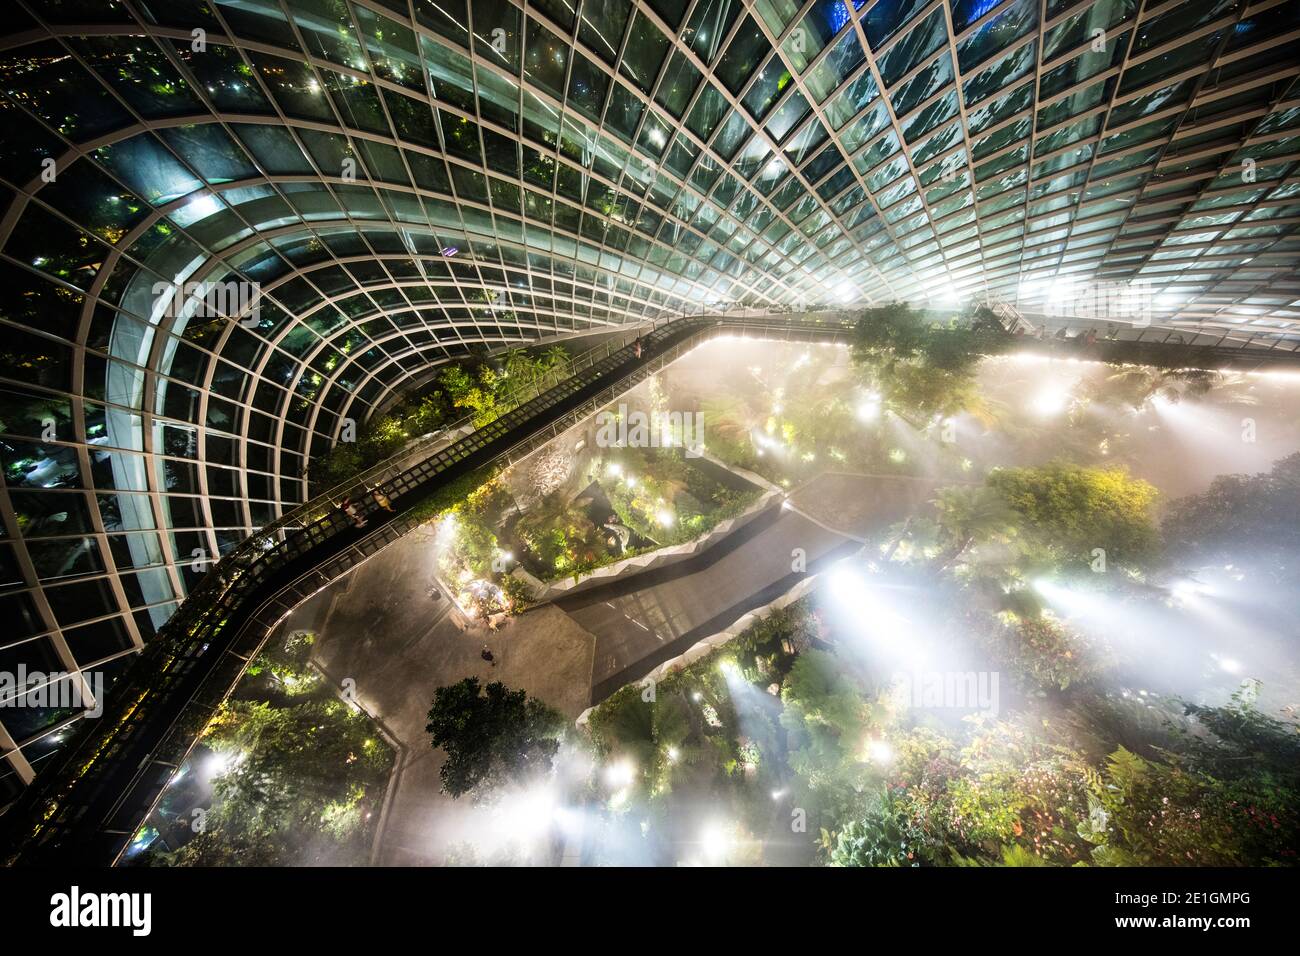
644	619
862	506
398	645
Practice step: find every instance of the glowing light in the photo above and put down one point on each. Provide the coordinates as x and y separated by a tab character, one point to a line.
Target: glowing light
869	411
664	517
879	752
620	774
614	469
715	839
673	754
525	816
1229	665
1050	401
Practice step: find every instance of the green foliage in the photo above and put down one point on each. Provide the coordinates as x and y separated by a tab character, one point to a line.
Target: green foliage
665	480
1240	511
447	496
561	536
878	838
970	516
1132	386
471	387
1164	813
564	541
1039	651
1067	510
1226	794
922	369
492	736
1009	786
826	717
285	661
298	785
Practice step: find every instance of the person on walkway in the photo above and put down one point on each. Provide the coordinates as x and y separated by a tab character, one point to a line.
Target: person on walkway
381	499
486	654
353	512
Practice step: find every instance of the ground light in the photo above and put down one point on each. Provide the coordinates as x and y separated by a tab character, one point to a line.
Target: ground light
879	752
1050	401
620	774
716	841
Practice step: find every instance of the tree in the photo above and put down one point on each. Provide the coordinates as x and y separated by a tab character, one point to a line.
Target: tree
1067	511
1135	385
923	369
968	516
293	788
492	736
1240	510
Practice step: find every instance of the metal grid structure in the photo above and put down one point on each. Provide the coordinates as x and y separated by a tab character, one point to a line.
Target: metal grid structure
407	179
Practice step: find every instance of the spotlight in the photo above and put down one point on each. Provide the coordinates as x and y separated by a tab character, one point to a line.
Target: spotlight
620	774
879	752
868	411
1050	401
716	841
1229	665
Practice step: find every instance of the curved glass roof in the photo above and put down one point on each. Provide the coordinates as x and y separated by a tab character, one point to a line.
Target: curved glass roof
404	180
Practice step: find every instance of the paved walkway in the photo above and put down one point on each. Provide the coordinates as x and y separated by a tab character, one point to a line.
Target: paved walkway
651	617
655	615
384	632
862	506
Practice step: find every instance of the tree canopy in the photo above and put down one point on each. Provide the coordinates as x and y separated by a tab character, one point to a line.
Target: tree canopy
922	368
1068	510
1240	510
492	736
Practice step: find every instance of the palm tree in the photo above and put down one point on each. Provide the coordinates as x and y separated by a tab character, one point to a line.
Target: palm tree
969	516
